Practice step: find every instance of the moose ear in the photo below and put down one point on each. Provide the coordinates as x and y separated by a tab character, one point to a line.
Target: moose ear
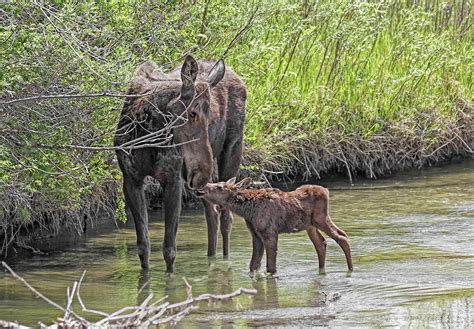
217	73
231	181
189	72
244	183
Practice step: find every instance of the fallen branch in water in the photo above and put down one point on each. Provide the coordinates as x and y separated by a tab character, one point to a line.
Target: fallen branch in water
146	314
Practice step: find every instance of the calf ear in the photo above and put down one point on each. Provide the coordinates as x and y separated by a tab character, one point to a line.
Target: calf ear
231	181
189	72
244	183
216	74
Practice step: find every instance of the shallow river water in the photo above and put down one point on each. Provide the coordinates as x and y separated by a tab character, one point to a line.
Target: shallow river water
412	239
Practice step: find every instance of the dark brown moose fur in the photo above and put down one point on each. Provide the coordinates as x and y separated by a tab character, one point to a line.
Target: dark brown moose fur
207	104
270	211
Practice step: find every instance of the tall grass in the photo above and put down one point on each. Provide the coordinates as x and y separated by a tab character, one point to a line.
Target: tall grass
326	71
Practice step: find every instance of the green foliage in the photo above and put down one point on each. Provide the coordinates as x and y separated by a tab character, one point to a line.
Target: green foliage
120	208
322	71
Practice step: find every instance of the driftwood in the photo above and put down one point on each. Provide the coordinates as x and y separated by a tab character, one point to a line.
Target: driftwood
144	315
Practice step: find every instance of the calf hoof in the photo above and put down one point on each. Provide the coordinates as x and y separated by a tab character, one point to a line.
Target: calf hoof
322	270
271	271
271	275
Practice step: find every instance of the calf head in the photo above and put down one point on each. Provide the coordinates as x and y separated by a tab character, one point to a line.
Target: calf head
222	193
191	133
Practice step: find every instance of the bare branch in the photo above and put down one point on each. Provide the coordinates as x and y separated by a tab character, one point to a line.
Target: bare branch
242	32
67	96
40	295
133	316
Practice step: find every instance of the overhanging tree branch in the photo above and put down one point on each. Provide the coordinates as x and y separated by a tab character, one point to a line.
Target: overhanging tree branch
66	96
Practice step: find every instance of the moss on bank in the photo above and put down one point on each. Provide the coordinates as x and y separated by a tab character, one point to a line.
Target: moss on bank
353	88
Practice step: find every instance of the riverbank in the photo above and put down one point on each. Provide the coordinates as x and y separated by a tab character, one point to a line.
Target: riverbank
399	147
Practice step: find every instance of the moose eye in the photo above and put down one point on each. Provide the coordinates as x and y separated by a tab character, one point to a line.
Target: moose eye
192	115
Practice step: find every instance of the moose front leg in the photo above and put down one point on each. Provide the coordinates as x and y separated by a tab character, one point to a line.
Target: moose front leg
228	167
172	191
212	218
135	201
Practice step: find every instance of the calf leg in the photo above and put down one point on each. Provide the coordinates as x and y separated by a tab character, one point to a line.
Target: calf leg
226	219
319	244
330	229
271	246
257	249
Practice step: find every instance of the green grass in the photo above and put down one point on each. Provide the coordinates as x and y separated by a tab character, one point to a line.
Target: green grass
346	70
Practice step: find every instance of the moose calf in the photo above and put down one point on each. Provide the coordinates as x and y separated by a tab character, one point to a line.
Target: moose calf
270	211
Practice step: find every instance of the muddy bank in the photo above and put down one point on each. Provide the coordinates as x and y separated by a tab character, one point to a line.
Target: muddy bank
397	148
49	238
30	225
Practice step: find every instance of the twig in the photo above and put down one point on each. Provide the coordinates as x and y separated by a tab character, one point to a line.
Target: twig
177	317
189	288
66	96
109	148
143	308
70	297
84	308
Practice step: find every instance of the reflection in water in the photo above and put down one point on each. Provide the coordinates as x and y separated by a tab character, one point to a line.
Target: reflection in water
144	286
413	248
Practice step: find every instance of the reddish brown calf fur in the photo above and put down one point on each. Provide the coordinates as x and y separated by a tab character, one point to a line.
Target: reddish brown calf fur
270	211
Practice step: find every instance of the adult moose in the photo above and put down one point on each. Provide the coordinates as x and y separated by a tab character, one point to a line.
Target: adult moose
206	105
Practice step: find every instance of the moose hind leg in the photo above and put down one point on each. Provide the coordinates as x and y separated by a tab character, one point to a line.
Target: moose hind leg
135	200
319	244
